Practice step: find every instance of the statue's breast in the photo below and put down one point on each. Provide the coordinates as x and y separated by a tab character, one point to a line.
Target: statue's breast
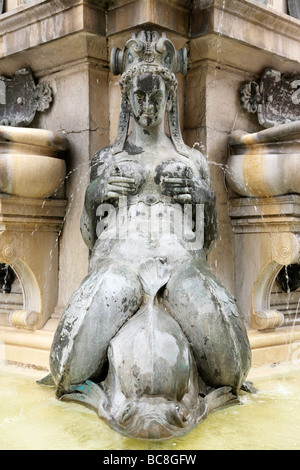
173	168
128	168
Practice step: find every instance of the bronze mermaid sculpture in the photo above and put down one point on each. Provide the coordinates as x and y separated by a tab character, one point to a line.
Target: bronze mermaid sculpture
150	339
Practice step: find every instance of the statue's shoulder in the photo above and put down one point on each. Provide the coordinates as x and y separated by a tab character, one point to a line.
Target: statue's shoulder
102	157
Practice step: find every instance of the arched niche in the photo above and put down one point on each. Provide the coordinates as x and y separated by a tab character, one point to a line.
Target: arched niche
11	293
285	294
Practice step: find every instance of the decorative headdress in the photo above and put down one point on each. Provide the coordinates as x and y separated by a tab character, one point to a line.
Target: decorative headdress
149	52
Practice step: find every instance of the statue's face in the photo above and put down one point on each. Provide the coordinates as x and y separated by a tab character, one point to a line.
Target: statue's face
148	98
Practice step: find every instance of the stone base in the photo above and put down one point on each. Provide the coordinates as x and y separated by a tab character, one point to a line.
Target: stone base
25	347
275	346
32	348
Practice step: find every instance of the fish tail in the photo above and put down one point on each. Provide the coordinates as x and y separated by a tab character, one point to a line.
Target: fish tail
153	275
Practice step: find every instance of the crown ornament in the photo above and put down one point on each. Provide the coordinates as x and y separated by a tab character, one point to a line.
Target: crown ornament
148	51
149	48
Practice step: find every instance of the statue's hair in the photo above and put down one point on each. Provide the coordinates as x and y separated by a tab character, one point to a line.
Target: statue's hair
168	77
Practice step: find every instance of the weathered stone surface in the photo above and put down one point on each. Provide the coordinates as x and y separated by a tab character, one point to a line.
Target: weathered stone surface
266	231
21	98
30	161
275	98
29	228
265	163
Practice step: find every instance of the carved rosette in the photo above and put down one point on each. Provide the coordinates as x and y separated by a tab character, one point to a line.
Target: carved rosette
250	97
43	96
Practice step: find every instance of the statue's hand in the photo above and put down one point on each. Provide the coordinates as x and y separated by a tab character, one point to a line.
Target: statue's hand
124	179
178	188
120	186
187	190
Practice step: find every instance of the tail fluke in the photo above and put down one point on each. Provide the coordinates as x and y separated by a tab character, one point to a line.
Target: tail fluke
89	394
219	398
153	275
48	380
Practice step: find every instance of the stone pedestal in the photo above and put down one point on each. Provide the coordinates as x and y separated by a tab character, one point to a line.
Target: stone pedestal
29	231
266	239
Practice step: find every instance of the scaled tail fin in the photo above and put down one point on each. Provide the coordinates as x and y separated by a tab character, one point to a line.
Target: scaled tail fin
153	275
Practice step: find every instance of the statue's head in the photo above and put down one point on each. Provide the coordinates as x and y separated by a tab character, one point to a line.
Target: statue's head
153	418
148	66
149	94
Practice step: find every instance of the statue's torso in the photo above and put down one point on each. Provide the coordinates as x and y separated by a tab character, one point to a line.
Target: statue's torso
148	224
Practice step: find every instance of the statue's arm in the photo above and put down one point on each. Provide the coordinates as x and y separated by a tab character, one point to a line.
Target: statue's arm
204	193
211	225
108	183
94	195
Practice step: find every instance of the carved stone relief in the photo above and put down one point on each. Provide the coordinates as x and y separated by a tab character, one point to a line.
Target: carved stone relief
21	98
275	98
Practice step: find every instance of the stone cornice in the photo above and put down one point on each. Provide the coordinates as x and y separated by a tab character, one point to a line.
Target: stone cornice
48	35
41	22
169	15
41	10
211	16
245	34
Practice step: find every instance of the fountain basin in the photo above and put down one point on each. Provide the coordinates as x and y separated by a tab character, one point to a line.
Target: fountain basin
31	419
265	163
30	163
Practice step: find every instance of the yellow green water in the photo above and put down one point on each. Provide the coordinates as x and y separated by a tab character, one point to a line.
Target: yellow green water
32	419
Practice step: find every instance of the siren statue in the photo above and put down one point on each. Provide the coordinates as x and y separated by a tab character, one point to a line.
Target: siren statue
150	339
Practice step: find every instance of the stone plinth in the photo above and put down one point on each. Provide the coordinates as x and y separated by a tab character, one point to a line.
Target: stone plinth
29	231
266	239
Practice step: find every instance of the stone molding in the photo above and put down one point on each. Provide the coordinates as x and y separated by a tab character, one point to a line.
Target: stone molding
171	15
245	34
247	10
81	25
31	32
29	231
